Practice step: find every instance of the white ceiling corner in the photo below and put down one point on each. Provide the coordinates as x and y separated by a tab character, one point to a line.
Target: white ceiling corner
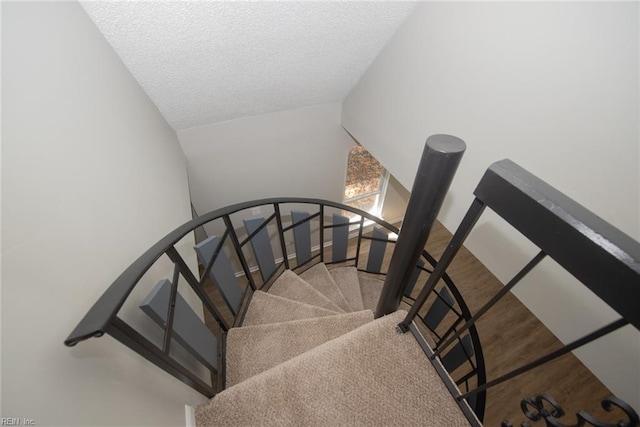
206	62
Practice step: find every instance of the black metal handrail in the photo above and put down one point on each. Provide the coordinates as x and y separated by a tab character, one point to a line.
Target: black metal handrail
95	322
605	260
103	316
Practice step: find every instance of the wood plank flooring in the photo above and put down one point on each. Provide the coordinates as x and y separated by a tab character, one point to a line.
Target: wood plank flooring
511	336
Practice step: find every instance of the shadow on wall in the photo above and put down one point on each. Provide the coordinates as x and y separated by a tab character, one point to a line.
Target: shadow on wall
395	200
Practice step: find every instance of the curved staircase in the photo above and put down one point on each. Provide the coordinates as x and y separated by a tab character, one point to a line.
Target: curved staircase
305	349
309	352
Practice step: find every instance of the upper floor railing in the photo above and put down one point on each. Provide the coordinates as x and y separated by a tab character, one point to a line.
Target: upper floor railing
605	260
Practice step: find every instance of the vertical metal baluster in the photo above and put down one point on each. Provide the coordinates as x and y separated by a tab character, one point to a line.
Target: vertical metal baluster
276	207
195	285
128	336
549	357
472	216
239	253
321	233
359	243
502	292
168	331
213	258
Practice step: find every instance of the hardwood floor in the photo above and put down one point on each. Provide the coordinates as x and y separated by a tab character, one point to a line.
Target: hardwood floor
510	336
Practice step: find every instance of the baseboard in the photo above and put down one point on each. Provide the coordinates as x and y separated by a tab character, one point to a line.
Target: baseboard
396	220
190	416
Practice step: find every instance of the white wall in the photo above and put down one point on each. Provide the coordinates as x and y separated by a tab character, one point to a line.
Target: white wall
554	87
92	175
1	316
395	200
300	153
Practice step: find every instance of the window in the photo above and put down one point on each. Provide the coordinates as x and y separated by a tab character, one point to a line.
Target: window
366	182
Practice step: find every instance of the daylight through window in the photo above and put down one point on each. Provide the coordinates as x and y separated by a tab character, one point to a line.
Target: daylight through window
366	181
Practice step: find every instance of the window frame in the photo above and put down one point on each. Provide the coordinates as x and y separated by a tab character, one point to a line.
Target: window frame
380	192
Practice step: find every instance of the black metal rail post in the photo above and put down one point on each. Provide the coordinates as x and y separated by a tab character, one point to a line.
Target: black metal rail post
440	159
283	245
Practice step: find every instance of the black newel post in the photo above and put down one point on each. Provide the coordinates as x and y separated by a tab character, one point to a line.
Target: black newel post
438	165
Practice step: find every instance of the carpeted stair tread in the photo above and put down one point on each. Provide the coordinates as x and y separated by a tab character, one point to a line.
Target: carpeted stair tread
290	285
347	280
371	289
318	276
254	349
265	308
372	375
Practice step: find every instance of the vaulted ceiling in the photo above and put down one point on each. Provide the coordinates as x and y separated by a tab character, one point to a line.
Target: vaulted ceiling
206	62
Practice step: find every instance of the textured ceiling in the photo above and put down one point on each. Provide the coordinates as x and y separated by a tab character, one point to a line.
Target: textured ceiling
205	62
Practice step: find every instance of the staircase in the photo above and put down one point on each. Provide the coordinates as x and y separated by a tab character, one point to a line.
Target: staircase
294	340
309	352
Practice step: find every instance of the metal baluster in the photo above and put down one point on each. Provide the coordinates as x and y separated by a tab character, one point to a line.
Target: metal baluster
168	331
505	289
195	285
239	253
472	216
283	246
549	357
321	233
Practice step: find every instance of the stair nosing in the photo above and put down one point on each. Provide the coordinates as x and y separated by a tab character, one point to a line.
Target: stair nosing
323	266
266	325
312	289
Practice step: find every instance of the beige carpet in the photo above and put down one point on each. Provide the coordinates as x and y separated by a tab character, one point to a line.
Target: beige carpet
369	376
267	308
297	364
318	276
254	349
347	280
371	289
290	285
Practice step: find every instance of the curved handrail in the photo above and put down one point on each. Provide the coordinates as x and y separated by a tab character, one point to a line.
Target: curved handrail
103	313
95	322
